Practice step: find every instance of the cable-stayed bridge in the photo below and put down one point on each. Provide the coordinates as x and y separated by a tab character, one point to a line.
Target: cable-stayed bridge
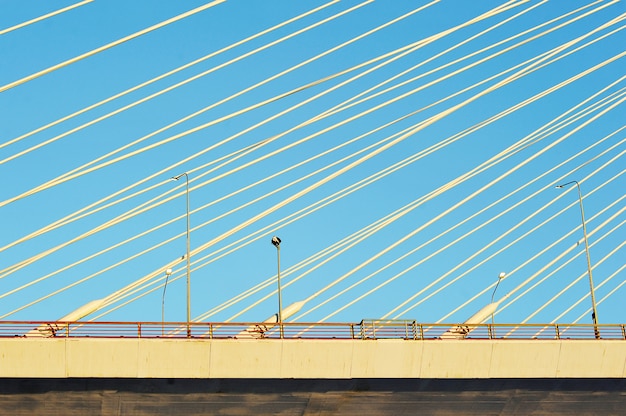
406	153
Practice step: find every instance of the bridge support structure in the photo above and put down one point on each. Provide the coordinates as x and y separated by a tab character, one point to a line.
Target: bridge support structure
137	376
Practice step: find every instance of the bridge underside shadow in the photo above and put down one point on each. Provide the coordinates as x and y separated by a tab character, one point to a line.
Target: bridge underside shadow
108	396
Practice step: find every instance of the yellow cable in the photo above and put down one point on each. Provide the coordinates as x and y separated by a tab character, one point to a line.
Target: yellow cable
153	80
573	282
344	106
69	176
529	279
119	219
507	246
453	183
109	45
563	254
85	168
45	16
586	313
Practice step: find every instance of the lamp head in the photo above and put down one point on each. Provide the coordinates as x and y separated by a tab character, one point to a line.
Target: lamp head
276	241
168	272
563	185
501	275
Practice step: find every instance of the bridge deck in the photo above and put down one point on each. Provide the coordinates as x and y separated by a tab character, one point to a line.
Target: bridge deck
365	369
311	351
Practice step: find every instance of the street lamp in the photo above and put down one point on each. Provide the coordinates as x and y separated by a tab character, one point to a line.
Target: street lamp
461	331
594	315
500	277
276	243
168	273
188	256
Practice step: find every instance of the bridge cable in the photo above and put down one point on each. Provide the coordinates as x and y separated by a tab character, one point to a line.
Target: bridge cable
44	17
146	83
14	243
109	45
445	212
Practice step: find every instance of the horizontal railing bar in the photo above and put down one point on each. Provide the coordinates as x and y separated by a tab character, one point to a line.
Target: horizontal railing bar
366	329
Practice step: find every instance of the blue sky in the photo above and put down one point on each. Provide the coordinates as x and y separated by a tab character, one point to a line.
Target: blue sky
432	263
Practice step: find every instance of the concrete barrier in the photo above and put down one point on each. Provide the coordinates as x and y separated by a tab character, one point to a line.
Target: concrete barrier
330	359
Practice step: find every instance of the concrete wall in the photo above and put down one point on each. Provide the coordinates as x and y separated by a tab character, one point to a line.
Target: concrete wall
339	359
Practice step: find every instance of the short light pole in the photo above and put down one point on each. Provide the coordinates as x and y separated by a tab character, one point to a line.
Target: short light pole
594	314
276	243
471	323
500	277
168	273
188	255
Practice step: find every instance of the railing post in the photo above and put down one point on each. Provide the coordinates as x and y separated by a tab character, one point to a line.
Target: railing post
138	329
422	332
490	330
210	330
352	331
624	331
556	329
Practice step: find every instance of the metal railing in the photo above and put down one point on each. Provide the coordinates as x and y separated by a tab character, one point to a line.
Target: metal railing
365	330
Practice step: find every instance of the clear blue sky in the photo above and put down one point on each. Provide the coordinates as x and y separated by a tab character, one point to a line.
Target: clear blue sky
527	238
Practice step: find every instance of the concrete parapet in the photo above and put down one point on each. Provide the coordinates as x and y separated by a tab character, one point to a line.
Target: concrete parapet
313	359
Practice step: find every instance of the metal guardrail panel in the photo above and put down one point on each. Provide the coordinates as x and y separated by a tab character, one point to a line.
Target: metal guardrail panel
366	330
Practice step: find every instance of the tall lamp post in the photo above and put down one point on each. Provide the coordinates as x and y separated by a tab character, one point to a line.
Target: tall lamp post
594	314
187	256
276	243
